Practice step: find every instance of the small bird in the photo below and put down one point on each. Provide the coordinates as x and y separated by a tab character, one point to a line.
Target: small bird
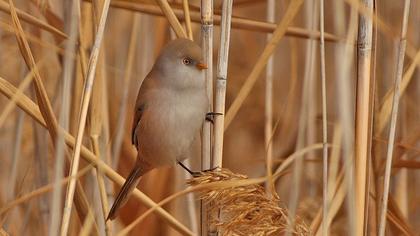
170	109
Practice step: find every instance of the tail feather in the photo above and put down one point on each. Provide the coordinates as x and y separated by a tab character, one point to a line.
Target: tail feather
125	192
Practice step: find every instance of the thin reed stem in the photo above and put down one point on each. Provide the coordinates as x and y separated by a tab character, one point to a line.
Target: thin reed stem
268	115
262	61
344	57
170	15
125	90
393	122
39	191
237	22
82	118
5	7
221	83
32	110
207	48
222	184
12	103
60	151
325	201
101	185
305	134
187	17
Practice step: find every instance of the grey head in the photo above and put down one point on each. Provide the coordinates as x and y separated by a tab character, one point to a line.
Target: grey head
180	65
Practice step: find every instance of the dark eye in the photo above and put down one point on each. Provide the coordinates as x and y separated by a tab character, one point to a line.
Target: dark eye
186	61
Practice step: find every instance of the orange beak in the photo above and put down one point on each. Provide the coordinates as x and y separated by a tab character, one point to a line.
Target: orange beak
201	66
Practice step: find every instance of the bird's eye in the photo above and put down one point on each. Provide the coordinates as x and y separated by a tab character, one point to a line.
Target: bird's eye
186	61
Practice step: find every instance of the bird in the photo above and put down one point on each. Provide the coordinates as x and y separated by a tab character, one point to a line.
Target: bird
170	109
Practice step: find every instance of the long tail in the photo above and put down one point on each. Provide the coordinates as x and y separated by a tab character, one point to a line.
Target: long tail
126	190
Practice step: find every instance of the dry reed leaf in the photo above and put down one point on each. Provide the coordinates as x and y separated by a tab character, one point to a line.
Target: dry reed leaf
244	210
173	21
87	92
34	39
44	103
32	110
385	109
24	84
237	22
278	34
39	191
5	7
41	93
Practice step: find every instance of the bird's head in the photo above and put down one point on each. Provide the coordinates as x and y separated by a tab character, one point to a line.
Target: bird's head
181	64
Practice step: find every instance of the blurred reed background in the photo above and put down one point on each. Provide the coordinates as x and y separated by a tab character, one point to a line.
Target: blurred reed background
334	93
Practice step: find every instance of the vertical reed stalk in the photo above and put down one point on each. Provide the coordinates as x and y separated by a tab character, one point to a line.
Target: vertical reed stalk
82	119
304	135
401	182
192	204
60	151
97	112
207	47
370	205
6	222
363	114
125	91
344	58
334	185
324	123
262	61
101	185
32	110
268	127
221	82
393	122
87	224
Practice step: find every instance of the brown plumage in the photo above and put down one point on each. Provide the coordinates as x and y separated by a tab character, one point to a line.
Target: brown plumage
130	183
170	109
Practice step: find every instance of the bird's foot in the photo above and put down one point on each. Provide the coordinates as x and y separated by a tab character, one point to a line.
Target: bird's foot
210	116
196	173
211	169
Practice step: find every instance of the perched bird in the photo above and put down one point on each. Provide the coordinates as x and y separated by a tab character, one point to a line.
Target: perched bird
170	109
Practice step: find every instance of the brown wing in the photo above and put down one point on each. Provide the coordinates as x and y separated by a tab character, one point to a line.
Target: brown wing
141	105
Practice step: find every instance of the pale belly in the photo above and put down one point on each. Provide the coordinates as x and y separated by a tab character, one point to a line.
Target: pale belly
167	129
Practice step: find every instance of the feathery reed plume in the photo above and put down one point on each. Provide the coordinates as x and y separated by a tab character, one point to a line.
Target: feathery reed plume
246	210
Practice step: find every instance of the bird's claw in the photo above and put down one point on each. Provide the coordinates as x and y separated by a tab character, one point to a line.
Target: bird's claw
201	173
210	116
196	173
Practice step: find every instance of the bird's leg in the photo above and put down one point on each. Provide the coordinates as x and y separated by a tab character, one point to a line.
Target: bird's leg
193	173
196	173
210	116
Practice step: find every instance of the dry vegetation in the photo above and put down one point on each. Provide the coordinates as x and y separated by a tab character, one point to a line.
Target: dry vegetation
321	103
